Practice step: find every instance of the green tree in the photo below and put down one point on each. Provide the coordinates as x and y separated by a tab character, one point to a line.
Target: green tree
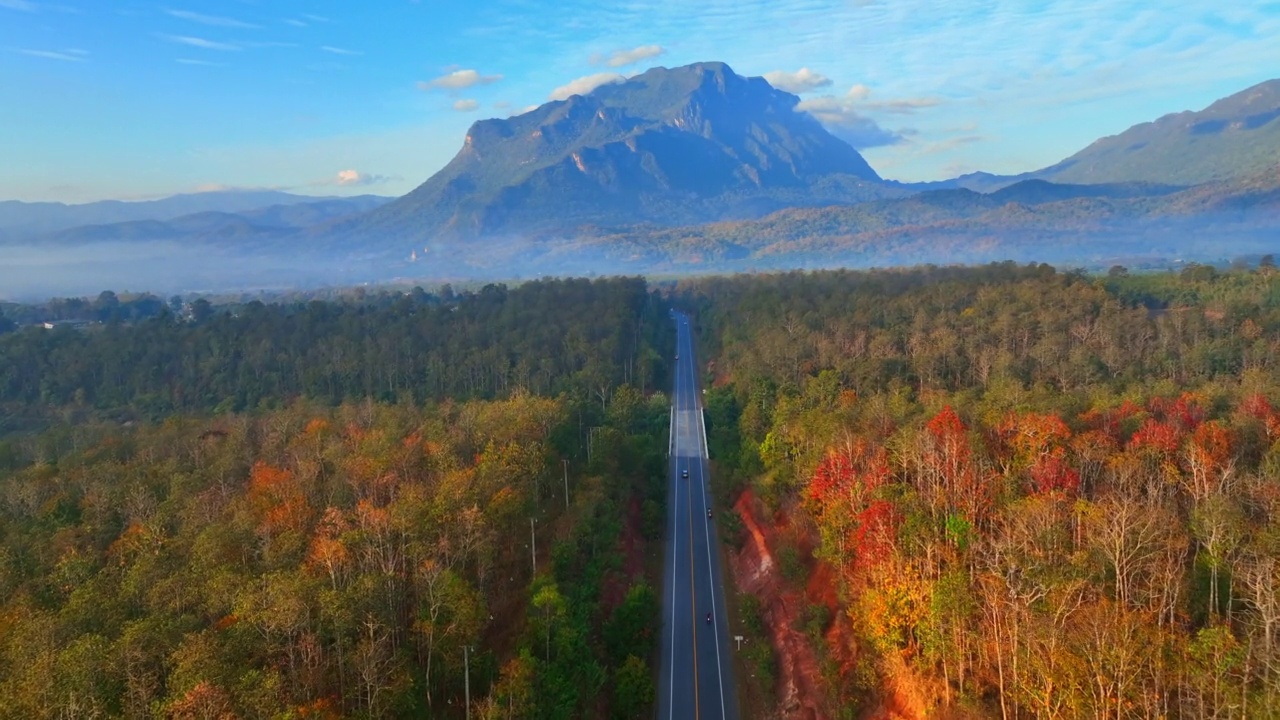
633	691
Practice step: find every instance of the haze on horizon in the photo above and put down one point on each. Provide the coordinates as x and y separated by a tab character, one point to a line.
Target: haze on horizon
143	100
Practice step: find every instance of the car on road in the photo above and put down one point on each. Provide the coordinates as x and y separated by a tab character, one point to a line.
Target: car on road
684	474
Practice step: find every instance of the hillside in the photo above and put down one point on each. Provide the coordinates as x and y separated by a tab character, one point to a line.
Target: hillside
1237	135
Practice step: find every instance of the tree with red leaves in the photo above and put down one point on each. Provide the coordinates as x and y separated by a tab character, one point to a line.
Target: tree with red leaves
840	490
947	474
1051	473
875	536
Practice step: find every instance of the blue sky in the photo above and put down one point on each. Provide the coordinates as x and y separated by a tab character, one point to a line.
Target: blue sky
121	99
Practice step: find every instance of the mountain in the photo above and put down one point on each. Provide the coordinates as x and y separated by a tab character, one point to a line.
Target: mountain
274	221
24	220
669	146
1235	136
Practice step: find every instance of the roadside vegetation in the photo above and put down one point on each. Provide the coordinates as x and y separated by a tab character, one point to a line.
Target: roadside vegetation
335	512
1010	491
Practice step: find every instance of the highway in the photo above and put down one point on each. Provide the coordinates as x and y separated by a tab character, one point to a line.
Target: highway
696	670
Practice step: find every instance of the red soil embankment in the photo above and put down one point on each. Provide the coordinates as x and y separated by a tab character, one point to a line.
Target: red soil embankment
756	572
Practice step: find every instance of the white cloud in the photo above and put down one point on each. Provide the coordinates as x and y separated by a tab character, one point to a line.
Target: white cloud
205	63
801	81
355	178
842	120
315	18
199	42
459	80
465	105
295	22
339	51
622	58
22	5
64	55
215	20
858	93
584	85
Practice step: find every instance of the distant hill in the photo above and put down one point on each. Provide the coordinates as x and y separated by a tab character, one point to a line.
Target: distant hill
273	222
1236	136
1031	220
24	220
669	146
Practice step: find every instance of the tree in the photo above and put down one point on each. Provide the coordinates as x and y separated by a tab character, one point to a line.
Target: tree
551	607
632	689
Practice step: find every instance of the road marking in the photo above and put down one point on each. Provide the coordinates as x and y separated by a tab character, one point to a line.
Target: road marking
675	546
693	601
712	577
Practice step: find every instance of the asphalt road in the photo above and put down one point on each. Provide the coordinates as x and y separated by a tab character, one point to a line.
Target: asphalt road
696	674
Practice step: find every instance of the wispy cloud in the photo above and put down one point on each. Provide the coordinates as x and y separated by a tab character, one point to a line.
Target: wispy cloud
803	80
904	106
295	22
215	20
459	80
860	95
622	58
841	118
339	51
64	55
584	85
191	61
315	18
466	105
22	5
199	42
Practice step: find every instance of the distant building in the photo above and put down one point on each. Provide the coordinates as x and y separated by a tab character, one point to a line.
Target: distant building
76	324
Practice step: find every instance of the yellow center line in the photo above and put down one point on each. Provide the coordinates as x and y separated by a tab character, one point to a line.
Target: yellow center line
693	598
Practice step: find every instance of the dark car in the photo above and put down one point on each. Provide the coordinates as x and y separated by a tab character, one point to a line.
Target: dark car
684	474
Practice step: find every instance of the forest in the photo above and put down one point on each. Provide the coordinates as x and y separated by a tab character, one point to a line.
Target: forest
1000	491
364	509
1008	491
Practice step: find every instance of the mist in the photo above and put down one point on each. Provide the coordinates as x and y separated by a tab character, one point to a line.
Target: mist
31	272
38	272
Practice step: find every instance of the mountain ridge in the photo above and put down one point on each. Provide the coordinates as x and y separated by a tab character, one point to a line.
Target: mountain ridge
23	219
271	222
667	146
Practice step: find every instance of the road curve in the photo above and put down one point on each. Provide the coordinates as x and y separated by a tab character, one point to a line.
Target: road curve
696	670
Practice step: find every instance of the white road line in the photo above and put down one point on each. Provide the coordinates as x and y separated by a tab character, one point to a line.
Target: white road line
711	575
675	543
702	413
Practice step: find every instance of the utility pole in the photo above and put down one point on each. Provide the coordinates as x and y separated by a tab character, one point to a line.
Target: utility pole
533	547
566	483
466	675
